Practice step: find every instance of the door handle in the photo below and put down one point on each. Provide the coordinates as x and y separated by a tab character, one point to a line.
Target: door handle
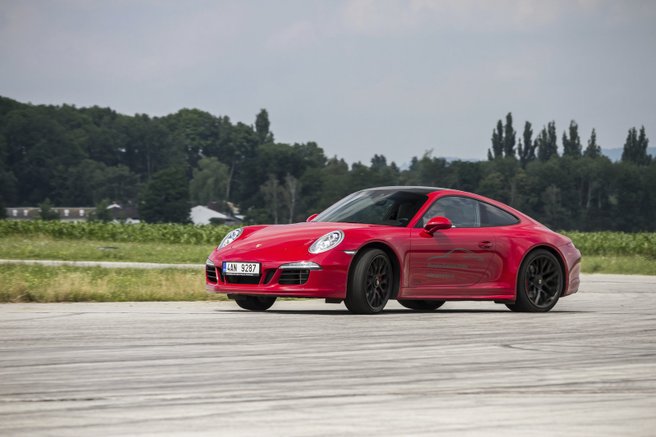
485	244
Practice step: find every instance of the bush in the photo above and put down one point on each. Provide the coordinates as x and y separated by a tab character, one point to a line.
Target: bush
615	243
141	232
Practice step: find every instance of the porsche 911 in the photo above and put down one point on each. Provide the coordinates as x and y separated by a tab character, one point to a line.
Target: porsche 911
421	246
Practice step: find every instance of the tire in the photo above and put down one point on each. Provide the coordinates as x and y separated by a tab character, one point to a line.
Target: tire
255	303
371	283
422	305
540	283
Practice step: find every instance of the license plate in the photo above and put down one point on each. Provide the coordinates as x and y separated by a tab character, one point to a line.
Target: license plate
241	269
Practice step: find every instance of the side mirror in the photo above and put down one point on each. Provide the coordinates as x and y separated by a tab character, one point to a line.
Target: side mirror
437	223
309	219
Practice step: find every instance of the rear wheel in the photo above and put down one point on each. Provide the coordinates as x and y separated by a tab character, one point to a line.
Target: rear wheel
540	283
255	303
371	283
422	305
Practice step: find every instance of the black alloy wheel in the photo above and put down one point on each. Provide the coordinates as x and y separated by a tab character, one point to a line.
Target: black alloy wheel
422	305
371	283
541	282
255	303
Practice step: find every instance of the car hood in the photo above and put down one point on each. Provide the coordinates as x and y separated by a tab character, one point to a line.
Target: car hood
284	241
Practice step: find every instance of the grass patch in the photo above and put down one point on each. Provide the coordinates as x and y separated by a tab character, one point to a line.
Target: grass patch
626	265
46	247
95	284
77	284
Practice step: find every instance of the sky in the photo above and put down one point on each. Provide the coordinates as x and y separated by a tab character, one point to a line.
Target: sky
359	77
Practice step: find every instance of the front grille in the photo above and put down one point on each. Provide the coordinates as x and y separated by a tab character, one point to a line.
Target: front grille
237	279
210	271
293	276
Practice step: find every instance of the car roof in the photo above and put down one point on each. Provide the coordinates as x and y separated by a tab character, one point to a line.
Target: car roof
411	189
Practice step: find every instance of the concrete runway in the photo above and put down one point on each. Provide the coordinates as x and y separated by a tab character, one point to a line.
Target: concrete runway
588	368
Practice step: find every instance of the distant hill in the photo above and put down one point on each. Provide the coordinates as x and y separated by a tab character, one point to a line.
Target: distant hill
616	153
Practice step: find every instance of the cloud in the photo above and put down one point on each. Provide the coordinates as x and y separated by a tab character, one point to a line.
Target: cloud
384	17
297	35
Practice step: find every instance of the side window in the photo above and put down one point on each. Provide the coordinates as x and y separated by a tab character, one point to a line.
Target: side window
462	211
493	216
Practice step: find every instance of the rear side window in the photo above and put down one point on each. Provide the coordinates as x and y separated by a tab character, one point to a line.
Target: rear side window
465	212
493	216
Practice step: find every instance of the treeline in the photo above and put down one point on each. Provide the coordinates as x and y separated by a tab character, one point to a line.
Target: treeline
91	156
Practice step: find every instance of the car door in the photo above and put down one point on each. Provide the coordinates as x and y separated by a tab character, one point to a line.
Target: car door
453	258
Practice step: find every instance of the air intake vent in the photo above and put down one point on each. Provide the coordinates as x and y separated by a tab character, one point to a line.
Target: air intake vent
210	272
293	276
269	275
237	279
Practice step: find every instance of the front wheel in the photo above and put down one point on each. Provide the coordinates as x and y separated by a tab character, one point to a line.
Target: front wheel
422	305
370	286
540	283
255	303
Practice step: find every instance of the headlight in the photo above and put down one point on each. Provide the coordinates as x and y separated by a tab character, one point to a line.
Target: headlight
327	242
232	236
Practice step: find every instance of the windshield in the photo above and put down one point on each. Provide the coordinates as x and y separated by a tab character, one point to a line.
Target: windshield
376	207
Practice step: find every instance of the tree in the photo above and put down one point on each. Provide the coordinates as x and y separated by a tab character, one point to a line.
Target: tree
102	213
572	145
553	209
509	137
209	182
527	149
165	198
290	192
493	186
635	147
465	175
497	142
262	127
150	146
380	173
631	205
272	192
335	183
239	147
196	132
7	186
46	211
117	183
429	170
593	150
546	142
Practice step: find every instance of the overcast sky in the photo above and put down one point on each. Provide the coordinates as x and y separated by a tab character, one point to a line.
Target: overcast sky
359	77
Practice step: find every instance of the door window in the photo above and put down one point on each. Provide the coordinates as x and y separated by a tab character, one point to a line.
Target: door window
462	211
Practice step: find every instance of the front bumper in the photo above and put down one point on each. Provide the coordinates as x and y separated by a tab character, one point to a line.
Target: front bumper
330	281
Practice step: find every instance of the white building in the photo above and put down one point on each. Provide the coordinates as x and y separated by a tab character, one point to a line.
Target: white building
201	215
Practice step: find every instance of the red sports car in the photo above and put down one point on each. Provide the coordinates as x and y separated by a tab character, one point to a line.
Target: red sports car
419	245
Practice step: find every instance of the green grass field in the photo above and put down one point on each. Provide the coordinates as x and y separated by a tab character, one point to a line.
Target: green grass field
75	284
47	247
603	252
623	265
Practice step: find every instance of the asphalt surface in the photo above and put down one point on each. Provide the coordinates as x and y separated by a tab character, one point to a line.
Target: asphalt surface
588	368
